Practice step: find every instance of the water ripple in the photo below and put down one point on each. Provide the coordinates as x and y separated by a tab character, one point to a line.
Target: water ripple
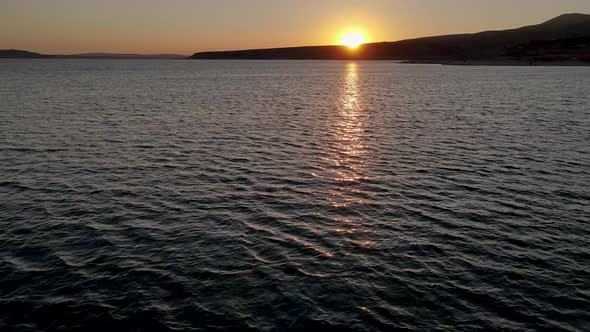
289	195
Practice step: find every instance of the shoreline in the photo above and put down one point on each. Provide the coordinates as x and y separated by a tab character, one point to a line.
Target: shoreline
515	63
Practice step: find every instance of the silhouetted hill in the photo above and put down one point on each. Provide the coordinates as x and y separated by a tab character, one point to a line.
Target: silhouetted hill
476	46
5	54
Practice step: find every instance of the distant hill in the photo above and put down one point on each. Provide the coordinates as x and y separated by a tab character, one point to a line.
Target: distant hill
125	56
495	45
18	54
5	54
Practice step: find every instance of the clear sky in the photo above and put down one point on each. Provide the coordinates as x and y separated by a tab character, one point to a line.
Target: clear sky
188	26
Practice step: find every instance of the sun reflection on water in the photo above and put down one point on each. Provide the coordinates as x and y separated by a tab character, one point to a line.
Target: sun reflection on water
349	147
344	161
343	168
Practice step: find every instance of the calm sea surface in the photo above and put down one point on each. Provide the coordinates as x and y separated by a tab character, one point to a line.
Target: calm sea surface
291	195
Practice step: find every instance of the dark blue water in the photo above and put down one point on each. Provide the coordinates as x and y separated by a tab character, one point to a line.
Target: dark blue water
293	195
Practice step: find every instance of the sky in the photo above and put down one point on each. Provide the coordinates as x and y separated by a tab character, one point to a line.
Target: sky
188	26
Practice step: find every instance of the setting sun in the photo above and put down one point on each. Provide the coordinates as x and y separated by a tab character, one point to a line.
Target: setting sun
353	39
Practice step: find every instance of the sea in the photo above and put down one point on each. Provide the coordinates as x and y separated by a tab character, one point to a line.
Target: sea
189	195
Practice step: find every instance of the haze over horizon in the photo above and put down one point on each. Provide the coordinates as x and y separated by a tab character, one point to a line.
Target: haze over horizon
185	27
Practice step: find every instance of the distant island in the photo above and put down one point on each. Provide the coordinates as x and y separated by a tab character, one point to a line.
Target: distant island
562	40
19	54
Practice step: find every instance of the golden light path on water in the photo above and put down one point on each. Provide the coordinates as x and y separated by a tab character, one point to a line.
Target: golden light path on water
343	166
349	146
344	161
347	154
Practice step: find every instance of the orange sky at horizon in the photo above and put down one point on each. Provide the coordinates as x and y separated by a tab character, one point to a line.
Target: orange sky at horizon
188	26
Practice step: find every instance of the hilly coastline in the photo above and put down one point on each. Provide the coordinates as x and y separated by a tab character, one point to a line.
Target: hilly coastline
563	39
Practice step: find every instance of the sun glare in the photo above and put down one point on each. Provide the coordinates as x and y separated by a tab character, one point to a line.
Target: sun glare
353	39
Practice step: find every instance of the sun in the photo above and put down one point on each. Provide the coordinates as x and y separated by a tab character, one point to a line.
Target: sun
353	39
